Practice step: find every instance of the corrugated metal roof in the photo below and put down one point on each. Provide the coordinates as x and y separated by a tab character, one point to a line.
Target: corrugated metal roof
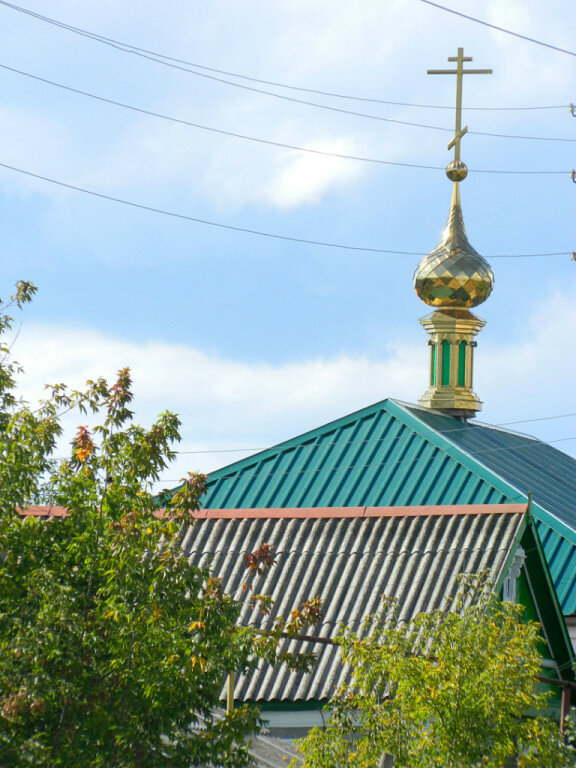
391	454
370	458
350	563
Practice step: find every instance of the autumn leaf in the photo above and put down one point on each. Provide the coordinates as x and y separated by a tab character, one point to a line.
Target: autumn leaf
261	559
83	444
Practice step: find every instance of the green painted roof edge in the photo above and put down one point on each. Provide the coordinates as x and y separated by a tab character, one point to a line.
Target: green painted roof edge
557	608
475	466
528	524
267	705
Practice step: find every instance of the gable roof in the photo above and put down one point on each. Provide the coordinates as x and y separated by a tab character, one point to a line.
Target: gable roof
351	558
394	454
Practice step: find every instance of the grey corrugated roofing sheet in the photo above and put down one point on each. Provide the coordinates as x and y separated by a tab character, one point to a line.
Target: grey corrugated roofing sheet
351	563
269	752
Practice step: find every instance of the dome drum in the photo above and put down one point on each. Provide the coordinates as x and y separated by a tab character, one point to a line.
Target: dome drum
452	342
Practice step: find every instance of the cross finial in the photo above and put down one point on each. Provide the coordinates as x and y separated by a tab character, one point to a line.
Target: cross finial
459	72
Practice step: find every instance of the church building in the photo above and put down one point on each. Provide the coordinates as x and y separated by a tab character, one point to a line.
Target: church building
400	499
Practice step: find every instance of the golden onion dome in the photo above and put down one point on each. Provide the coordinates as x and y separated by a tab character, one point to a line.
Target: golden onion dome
454	274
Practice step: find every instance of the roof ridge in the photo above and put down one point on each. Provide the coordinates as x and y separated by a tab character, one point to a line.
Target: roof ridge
563	529
441	436
333	424
334	513
475	423
483	424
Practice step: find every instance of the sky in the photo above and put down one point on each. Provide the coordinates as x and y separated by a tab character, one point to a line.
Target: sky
252	339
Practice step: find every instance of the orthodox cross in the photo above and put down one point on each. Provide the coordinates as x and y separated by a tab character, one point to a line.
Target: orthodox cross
459	72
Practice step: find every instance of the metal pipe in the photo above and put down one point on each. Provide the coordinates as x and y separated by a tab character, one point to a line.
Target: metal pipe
230	694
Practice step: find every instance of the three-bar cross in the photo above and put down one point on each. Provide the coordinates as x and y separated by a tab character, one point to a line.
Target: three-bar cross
459	72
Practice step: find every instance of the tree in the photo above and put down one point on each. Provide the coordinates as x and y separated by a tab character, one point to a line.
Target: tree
454	688
113	649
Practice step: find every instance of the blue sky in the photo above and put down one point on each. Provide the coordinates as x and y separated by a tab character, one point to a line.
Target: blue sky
254	339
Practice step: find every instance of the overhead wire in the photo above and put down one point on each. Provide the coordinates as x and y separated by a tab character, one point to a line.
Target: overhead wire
268	142
387	439
390	439
97	37
233	133
499	29
247	230
197	220
430	459
380	118
407	123
537	418
366	115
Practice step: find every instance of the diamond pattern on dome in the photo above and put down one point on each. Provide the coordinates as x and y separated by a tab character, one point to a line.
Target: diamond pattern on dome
454	274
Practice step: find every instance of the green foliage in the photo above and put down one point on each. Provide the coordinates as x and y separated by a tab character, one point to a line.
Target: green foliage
113	649
454	688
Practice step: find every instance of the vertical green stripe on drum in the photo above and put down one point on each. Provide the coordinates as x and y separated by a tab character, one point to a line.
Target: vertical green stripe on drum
433	359
445	363
462	364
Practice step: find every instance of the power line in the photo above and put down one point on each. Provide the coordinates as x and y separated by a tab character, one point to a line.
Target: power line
499	29
206	221
232	133
384	439
136	52
250	231
316	104
101	38
538	418
245	137
407	123
442	456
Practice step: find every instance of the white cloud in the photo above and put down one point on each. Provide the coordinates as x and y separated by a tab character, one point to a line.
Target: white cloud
220	395
305	178
226	403
223	403
537	373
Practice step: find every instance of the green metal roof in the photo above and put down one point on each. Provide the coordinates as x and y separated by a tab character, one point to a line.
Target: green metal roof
392	454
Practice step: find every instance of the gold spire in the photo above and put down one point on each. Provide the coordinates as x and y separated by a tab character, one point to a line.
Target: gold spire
453	277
